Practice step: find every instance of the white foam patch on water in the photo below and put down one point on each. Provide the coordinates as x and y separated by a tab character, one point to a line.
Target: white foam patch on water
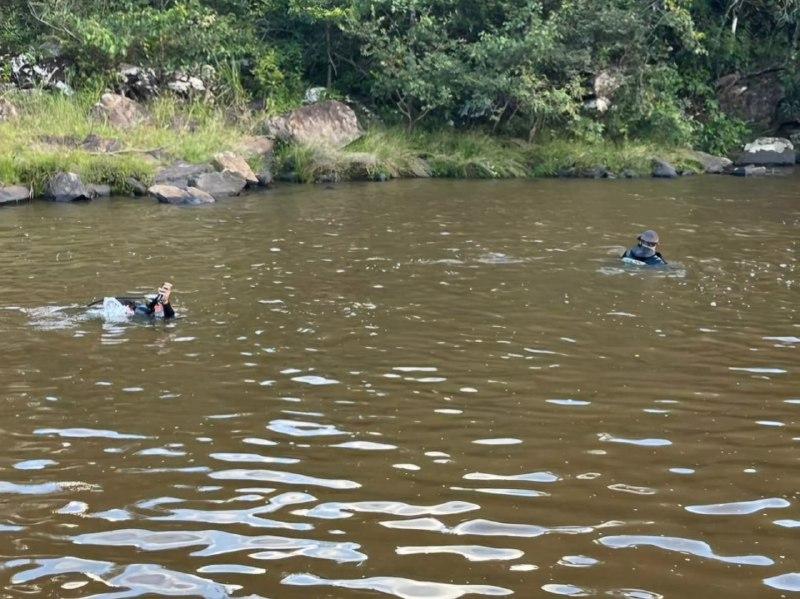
412	467
758	370
415	368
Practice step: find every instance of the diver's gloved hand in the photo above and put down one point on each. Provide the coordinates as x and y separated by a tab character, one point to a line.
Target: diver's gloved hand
164	292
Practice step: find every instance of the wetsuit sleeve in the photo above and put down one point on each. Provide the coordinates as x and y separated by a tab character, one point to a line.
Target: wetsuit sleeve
660	257
150	307
168	311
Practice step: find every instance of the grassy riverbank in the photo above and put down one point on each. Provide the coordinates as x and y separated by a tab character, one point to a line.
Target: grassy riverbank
49	134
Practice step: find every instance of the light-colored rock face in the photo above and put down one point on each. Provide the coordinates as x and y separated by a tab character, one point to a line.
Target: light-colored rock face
228	162
324	123
119	111
768	151
606	83
769	144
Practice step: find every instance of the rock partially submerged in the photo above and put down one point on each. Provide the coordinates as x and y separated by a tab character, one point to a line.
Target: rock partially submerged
179	173
228	162
99	190
713	165
170	194
219	185
749	171
66	187
14	194
663	169
323	123
768	151
119	111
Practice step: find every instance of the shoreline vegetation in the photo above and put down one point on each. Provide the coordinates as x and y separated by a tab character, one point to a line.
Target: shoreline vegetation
53	133
402	88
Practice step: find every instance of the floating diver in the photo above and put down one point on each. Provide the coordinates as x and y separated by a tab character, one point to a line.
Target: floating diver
644	252
121	308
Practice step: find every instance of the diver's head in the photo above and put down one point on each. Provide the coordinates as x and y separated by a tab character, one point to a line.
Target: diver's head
648	242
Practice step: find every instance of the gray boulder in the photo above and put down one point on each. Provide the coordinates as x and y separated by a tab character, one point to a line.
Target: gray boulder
179	173
170	194
137	187
329	123
768	151
119	111
219	185
711	164
66	187
749	171
99	190
663	169
228	162
14	195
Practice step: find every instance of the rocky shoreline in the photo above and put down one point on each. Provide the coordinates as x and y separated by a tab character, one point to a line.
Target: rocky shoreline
320	124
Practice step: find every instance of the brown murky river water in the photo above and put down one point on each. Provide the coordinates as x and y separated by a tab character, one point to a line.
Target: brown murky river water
421	389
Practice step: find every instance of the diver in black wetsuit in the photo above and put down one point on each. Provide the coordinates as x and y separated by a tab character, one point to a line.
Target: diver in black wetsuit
645	251
159	306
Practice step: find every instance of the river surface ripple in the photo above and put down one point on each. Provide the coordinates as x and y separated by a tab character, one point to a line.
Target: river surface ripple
421	389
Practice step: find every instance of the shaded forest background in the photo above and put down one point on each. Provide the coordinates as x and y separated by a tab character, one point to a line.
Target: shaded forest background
655	70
